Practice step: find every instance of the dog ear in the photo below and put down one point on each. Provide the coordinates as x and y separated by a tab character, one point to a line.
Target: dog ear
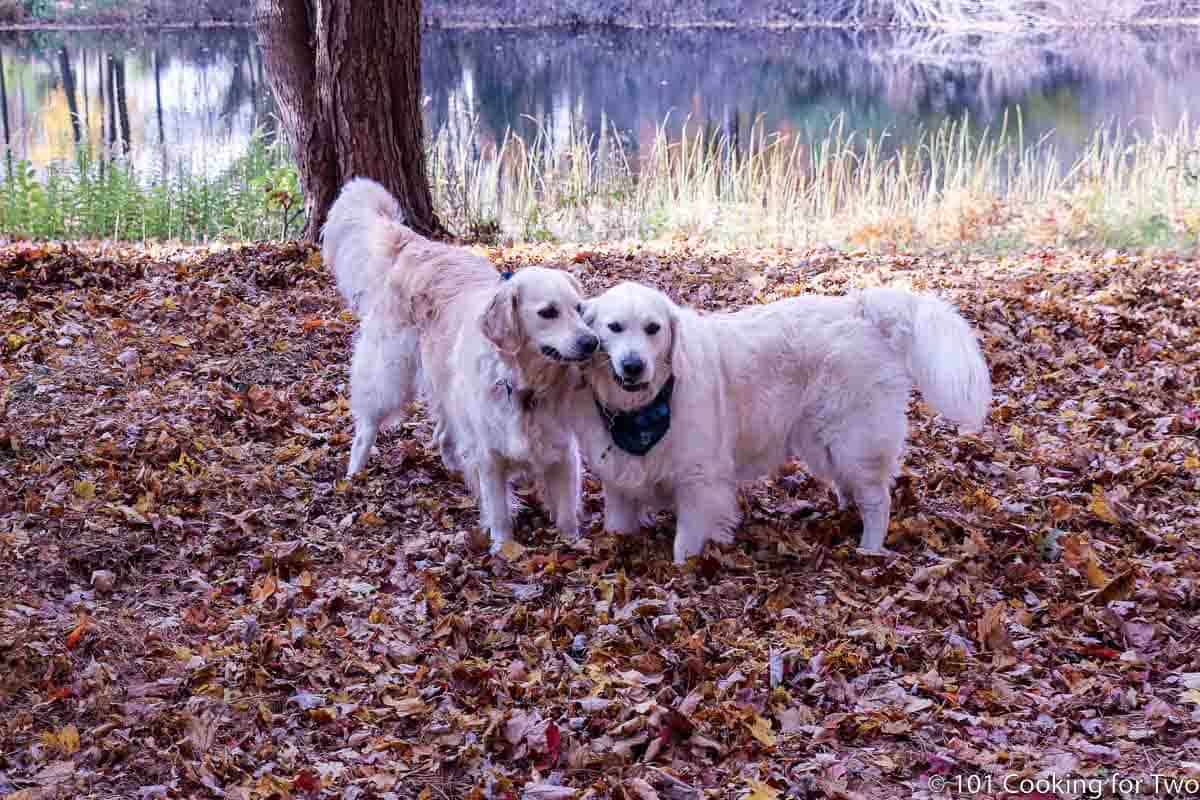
588	312
677	352
575	284
500	322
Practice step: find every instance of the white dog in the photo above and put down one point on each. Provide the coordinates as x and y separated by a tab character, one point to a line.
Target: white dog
687	405
495	355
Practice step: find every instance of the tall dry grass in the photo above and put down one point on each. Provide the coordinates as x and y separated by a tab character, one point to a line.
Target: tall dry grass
1001	16
952	186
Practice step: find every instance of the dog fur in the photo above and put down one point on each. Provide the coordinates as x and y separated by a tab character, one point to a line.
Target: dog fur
823	380
495	359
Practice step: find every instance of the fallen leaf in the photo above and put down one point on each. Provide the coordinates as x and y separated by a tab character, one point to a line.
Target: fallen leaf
1101	507
992	630
640	789
547	791
760	791
1119	588
760	728
74	637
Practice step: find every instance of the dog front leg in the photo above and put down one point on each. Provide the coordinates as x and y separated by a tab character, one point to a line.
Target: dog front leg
875	504
703	512
563	494
496	513
365	430
621	512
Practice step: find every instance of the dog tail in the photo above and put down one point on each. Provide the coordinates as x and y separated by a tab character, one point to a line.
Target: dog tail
940	348
364	231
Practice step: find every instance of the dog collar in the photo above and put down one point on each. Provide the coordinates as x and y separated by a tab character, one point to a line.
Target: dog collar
637	431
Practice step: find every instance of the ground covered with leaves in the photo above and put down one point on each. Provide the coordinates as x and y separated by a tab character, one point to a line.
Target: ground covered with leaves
193	602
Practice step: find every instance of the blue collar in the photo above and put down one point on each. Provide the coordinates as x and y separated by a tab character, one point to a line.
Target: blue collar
637	431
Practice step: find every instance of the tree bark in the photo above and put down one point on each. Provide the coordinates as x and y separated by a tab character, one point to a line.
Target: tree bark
287	37
347	79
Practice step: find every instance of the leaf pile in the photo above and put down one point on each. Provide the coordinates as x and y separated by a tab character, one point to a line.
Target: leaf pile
193	602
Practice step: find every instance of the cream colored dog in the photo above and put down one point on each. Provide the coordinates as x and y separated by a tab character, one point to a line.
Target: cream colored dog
496	356
687	405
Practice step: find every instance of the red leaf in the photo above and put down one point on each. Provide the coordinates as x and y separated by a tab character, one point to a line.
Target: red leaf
553	742
307	781
58	692
1096	651
74	636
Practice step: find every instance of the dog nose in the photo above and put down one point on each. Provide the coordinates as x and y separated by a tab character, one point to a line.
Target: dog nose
587	344
632	366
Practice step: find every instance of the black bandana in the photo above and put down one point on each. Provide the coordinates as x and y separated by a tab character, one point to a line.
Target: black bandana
637	431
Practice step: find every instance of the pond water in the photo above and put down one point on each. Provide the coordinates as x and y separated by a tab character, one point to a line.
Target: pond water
196	96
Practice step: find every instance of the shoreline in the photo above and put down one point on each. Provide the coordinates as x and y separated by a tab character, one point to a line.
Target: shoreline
1163	22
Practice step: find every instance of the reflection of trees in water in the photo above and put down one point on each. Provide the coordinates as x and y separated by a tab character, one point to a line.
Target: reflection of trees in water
799	78
4	113
119	85
103	73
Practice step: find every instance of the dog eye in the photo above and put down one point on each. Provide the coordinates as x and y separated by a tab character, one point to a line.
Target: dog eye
652	328
615	327
579	308
549	312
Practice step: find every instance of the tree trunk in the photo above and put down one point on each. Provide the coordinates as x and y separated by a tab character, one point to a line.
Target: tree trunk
347	79
369	84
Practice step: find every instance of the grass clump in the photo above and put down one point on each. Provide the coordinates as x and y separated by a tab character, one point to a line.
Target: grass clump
952	186
110	198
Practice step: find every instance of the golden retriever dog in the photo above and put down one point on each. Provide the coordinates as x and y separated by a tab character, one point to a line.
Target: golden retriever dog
686	405
495	356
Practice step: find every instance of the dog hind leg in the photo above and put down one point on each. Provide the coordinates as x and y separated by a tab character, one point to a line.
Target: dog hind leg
863	471
385	375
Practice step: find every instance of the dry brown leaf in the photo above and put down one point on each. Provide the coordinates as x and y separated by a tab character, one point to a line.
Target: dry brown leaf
640	789
760	729
992	630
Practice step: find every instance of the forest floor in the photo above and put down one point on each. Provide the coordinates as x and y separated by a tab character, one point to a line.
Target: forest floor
193	602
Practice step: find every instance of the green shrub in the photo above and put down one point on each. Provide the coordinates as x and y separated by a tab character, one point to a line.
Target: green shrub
107	198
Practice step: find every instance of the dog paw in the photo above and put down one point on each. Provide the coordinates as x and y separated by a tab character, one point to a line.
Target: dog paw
496	541
882	552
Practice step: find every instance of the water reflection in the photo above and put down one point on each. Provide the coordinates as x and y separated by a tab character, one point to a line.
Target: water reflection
196	96
160	98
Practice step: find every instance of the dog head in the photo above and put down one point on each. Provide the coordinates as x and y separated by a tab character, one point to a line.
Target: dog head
638	331
538	310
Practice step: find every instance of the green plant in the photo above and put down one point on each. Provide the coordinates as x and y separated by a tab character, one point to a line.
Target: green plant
39	9
99	197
